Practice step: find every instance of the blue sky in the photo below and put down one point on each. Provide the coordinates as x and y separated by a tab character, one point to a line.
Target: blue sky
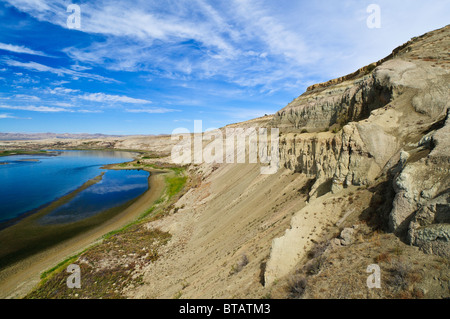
148	67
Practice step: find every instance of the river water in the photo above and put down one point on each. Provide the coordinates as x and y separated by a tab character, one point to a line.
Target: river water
28	182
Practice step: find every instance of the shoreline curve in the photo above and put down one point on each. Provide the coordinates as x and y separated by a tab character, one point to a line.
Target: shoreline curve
18	279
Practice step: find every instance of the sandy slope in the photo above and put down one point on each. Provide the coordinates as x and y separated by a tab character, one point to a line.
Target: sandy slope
235	212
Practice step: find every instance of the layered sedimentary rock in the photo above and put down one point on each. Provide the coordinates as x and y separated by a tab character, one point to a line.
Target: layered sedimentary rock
321	108
390	120
402	98
355	156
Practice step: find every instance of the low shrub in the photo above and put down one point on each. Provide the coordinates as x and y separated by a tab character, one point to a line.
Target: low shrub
296	286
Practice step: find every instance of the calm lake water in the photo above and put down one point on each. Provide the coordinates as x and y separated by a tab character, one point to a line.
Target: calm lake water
29	182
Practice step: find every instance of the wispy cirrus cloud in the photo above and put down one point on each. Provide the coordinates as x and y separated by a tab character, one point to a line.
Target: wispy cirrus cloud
61	107
77	67
90	111
59	83
26	97
102	97
61	99
64	104
8	116
38	67
190	39
62	90
21	49
237	40
158	110
32	108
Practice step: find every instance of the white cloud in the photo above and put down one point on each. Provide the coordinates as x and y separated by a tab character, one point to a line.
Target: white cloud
25	79
261	44
34	66
59	83
78	67
63	104
102	97
60	107
275	36
7	116
26	97
35	108
238	42
152	110
20	49
61	90
89	111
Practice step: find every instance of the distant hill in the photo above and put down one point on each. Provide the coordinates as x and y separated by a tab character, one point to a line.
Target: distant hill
41	136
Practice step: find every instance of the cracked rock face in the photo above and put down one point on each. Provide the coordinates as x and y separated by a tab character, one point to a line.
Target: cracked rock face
430	227
433	239
422	203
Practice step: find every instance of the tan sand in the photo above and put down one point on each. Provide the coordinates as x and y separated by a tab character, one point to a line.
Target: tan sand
17	279
236	211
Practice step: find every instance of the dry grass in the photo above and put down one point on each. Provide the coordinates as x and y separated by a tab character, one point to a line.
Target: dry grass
108	268
296	286
243	261
383	257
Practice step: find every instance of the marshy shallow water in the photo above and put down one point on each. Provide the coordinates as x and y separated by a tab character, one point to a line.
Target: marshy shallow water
28	182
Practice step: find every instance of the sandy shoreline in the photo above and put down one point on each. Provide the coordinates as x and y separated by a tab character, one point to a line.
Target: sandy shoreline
18	279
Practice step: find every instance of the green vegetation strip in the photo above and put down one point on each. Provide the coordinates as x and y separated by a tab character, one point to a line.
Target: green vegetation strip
62	265
175	184
22	152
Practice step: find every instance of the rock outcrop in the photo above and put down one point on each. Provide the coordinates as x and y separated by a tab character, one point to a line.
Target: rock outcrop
321	108
388	120
402	97
422	202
